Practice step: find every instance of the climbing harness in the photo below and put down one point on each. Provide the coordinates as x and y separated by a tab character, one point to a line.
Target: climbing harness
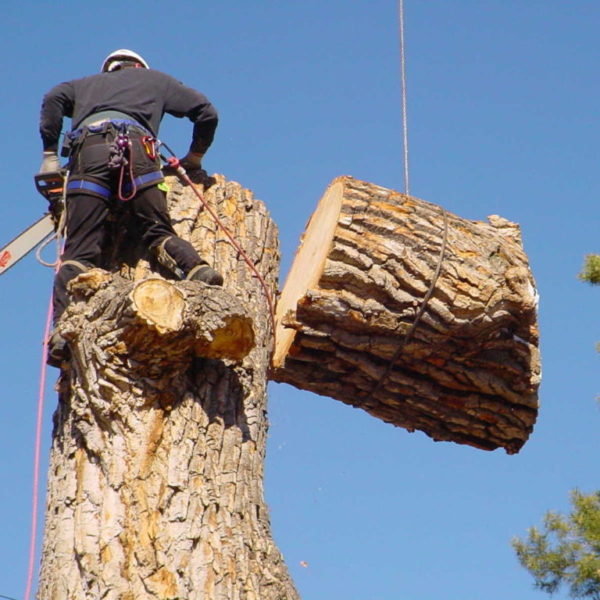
174	163
121	154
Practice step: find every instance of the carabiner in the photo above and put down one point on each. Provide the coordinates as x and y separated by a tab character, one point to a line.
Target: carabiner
149	146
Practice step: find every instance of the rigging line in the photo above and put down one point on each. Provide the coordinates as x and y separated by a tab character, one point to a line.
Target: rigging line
7	597
37	450
404	109
36	458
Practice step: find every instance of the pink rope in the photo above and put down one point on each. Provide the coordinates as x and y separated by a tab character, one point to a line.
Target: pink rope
36	455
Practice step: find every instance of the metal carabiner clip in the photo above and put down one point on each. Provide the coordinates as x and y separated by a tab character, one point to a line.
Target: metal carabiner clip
149	146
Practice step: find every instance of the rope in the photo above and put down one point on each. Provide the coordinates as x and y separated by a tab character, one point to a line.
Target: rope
404	110
421	309
235	244
36	455
58	235
121	196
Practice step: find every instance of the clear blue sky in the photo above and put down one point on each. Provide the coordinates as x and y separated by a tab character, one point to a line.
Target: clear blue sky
504	101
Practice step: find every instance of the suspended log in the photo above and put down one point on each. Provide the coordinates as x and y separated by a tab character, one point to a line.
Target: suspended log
424	319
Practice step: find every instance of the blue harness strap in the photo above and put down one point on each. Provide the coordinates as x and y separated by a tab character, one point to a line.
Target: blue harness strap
81	184
143	180
74	185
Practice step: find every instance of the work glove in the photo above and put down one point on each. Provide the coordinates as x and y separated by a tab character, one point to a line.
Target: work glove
192	163
50	163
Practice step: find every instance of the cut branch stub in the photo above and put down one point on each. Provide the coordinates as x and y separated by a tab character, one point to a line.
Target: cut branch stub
422	318
160	318
159	303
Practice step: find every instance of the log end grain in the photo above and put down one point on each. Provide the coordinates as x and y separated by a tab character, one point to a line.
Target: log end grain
159	303
308	264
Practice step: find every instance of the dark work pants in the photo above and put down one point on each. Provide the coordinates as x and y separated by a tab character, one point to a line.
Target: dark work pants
86	232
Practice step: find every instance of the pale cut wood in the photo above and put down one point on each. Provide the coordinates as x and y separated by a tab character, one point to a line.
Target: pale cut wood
422	318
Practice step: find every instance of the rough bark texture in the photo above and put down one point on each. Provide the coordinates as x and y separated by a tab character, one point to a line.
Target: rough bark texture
365	318
155	485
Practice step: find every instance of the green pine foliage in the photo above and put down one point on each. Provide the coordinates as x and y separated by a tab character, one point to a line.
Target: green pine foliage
567	550
591	269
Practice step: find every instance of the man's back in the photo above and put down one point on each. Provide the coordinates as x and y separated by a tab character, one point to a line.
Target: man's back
144	94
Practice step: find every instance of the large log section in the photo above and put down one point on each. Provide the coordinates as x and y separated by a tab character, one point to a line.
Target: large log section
421	318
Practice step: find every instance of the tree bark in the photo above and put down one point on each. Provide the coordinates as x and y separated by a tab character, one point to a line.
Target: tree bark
421	318
155	486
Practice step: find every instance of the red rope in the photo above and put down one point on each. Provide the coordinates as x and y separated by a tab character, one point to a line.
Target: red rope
121	195
174	162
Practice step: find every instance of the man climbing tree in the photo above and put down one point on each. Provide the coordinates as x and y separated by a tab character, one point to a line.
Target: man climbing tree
113	158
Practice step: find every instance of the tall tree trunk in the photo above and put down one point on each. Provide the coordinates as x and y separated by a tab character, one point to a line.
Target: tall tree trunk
155	485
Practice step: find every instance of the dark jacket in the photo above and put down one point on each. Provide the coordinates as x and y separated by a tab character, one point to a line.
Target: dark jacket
144	94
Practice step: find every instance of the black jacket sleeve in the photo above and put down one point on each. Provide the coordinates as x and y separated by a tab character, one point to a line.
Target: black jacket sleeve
57	104
183	101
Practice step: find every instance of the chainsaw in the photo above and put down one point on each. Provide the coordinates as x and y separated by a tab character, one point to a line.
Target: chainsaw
51	186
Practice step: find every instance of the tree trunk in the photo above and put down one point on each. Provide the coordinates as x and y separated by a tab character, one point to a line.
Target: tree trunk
155	485
422	318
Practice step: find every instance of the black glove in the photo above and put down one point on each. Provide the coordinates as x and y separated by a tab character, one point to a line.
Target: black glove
192	163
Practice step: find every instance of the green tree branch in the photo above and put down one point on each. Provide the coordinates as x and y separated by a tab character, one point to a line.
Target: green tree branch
591	269
567	550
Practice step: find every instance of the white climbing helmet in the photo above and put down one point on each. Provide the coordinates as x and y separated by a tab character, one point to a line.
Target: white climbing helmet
115	59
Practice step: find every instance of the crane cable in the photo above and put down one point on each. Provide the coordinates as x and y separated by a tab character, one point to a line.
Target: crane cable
404	109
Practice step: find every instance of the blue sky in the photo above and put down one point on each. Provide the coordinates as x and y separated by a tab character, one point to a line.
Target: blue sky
503	111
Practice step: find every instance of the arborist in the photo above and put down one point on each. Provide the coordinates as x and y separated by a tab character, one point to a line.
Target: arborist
112	157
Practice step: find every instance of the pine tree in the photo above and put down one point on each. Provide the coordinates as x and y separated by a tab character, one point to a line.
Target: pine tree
567	551
591	269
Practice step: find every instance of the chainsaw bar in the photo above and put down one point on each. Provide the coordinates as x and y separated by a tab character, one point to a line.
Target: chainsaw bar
24	243
51	186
